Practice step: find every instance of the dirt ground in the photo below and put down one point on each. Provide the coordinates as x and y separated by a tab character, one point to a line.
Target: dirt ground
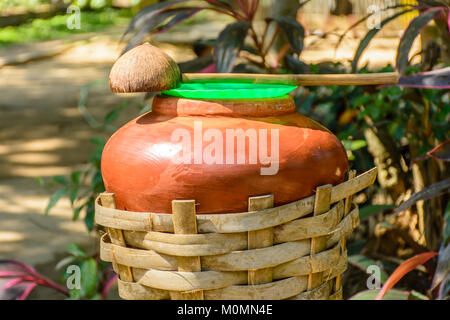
42	133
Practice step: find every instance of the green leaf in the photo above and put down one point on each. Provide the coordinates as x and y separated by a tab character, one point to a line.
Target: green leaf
88	278
414	295
362	262
89	218
73	195
369	36
99	141
355	247
361	100
55	198
411	33
76	251
75	294
229	44
371	210
294	31
96	296
60	179
75	177
112	115
392	294
76	213
354	144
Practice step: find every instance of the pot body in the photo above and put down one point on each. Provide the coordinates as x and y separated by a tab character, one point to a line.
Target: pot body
219	152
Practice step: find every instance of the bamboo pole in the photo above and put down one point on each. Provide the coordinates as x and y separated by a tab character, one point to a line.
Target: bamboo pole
185	222
296	79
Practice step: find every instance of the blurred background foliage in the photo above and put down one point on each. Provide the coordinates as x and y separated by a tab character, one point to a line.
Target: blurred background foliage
403	130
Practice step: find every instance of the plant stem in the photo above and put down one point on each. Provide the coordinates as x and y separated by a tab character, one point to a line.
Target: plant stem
259	47
275	33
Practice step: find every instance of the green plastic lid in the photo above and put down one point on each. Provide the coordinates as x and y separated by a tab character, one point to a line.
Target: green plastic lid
229	90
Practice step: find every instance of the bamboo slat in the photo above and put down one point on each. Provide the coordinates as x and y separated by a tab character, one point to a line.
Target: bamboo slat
184	222
348	204
260	239
322	204
117	238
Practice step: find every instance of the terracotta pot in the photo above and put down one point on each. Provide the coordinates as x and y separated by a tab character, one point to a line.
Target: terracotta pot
141	161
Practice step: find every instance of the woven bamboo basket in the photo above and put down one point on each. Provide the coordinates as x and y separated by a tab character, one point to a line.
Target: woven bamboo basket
293	251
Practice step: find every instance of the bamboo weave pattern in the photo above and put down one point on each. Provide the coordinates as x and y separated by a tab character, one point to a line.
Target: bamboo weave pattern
294	251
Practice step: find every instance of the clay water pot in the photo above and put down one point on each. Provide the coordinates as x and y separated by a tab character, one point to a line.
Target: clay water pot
146	164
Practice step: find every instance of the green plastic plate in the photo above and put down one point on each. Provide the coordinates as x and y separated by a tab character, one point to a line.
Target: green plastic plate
229	90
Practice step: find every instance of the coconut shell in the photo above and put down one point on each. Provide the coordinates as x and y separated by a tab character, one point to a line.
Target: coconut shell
144	68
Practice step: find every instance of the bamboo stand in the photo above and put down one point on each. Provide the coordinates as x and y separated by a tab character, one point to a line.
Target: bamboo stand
267	253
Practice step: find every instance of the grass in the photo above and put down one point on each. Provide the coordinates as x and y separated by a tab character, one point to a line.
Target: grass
56	27
29	4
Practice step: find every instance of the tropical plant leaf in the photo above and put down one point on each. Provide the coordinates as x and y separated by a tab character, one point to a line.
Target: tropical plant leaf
392	294
176	15
295	65
411	32
371	210
367	16
149	12
184	14
436	79
431	191
443	267
197	64
219	3
228	45
369	36
362	262
403	269
294	31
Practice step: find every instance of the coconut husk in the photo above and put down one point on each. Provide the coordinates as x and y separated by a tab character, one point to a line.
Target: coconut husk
144	68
